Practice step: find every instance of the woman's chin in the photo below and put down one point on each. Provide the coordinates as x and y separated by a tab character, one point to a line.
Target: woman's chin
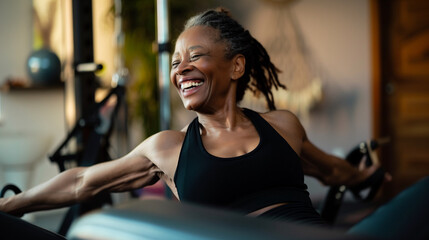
189	106
193	106
196	105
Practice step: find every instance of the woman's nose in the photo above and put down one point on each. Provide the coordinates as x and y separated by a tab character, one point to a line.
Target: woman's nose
183	68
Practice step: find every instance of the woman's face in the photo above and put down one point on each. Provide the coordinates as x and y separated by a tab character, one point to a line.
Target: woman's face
199	71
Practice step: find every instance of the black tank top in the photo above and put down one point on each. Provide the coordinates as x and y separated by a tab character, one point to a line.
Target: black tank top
270	174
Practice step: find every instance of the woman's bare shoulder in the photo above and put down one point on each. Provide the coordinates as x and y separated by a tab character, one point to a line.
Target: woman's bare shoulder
288	126
282	117
163	149
164	140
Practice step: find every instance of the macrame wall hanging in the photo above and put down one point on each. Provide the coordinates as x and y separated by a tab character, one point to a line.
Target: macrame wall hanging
275	27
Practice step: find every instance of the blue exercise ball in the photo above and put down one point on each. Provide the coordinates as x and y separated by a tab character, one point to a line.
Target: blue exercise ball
44	67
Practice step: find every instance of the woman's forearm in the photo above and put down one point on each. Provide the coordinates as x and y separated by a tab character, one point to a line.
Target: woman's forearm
328	168
81	183
337	173
59	191
343	173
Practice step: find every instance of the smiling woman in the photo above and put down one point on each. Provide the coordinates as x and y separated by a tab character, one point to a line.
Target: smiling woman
200	68
235	46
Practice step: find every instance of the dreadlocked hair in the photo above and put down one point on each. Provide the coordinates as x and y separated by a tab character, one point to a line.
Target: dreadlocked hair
260	74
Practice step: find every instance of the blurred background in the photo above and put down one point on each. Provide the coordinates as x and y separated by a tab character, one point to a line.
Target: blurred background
355	70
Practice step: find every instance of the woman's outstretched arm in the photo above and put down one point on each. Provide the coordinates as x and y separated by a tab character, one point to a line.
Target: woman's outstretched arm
57	192
79	184
331	170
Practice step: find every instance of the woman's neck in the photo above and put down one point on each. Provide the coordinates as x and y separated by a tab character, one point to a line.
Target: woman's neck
227	118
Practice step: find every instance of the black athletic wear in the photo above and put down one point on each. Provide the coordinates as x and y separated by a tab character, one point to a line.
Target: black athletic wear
270	174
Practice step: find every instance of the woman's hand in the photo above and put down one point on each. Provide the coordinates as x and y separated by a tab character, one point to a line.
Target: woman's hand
8	187
367	171
334	171
371	177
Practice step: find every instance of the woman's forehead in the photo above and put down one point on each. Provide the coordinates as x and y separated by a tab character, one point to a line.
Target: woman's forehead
197	37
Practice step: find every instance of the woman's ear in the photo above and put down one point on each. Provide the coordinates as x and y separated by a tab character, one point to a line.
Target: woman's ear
239	65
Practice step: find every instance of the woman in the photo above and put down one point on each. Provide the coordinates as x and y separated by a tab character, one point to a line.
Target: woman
227	157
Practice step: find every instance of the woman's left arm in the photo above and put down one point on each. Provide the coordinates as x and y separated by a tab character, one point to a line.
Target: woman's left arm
329	169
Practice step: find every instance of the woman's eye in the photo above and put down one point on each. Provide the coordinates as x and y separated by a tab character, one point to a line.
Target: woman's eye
195	57
175	64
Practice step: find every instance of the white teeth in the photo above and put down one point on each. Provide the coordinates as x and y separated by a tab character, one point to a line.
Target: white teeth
190	84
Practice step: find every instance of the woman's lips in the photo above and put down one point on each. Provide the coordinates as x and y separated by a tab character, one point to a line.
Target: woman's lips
190	84
189	87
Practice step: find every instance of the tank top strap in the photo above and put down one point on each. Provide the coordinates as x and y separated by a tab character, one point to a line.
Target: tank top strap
185	154
261	125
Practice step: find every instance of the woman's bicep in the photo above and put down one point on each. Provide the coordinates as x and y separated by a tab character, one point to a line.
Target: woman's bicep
146	164
315	162
129	172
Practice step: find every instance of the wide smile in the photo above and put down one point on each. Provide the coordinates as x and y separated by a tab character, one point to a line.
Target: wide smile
190	86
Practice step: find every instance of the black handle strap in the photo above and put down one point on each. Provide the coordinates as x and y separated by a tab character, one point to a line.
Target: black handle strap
334	199
373	182
10	187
